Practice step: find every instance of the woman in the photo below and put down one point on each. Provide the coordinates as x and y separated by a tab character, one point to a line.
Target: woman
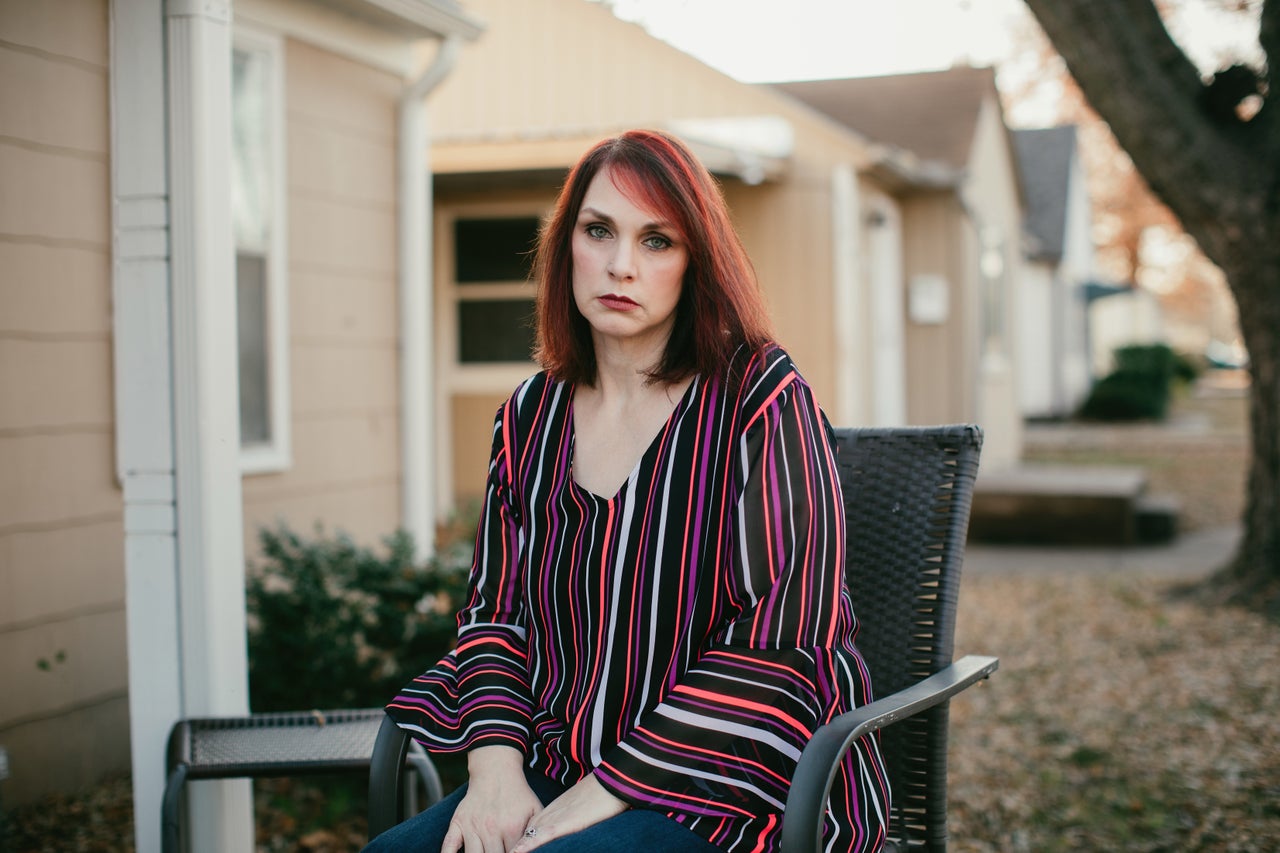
656	620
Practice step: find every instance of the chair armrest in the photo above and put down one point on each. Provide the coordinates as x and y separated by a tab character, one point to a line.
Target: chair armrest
385	775
811	785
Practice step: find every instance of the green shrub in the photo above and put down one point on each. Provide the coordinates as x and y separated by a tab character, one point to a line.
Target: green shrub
1125	396
1155	360
1187	369
335	625
1141	385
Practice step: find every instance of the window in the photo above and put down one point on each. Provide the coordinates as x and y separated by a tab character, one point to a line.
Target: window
494	300
257	212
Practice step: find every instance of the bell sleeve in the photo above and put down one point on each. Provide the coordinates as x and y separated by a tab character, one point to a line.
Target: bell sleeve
724	741
479	694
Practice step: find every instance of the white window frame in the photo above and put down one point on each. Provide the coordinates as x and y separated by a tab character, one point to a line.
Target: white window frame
275	454
453	377
456	377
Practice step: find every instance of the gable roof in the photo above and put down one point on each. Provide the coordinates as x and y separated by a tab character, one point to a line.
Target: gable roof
1044	163
933	114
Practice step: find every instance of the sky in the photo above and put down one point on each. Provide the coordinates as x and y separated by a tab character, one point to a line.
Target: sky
760	41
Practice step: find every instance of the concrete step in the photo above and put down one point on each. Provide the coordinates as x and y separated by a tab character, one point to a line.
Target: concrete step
1059	505
1157	518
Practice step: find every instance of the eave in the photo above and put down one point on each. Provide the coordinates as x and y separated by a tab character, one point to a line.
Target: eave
415	18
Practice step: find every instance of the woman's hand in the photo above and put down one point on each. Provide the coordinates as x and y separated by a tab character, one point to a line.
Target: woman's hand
498	806
585	804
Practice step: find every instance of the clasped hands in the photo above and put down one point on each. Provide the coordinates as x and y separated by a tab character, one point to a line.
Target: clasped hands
501	814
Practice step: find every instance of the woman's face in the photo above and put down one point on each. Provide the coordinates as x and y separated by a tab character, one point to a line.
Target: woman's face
628	268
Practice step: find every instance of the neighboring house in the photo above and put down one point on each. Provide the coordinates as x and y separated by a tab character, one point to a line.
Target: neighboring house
184	180
1053	360
830	221
962	223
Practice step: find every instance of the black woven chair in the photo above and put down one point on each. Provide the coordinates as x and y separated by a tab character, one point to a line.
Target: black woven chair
907	493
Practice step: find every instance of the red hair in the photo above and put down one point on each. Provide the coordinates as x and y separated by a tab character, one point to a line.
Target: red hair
720	307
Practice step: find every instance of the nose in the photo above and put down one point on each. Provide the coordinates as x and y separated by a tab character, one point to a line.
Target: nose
622	265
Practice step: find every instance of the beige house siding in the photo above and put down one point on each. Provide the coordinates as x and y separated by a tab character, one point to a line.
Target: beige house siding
786	229
64	707
340	126
941	358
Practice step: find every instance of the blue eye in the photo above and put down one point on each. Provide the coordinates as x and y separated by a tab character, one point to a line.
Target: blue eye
599	232
657	241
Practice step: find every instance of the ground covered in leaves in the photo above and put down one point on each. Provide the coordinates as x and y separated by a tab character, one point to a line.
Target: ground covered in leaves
1126	715
1129	713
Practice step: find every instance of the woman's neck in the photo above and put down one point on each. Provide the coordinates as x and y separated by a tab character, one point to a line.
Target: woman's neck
623	372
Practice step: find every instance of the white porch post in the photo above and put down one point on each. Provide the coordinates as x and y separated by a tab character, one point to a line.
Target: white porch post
143	399
416	295
850	408
175	378
888	335
211	601
417	393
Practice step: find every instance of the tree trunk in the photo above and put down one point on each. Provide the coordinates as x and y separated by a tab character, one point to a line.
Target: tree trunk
1258	560
1219	174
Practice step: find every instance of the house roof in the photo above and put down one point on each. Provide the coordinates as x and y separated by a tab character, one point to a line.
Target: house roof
932	114
1044	163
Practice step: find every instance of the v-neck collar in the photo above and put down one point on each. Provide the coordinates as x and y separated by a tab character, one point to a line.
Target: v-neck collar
654	442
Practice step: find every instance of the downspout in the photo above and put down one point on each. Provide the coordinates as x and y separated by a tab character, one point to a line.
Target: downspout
417	400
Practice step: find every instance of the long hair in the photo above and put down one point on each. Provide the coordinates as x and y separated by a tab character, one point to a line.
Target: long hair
720	306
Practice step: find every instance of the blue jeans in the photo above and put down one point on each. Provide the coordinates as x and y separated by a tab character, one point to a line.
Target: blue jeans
638	830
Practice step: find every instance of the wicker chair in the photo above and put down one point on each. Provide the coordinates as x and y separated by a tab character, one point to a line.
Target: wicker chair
907	493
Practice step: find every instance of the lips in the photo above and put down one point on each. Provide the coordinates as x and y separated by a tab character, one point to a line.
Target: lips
618	302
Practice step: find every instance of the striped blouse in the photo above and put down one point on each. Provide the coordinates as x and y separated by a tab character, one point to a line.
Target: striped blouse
682	638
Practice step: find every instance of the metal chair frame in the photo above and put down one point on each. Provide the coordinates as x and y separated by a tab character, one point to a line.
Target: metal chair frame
280	744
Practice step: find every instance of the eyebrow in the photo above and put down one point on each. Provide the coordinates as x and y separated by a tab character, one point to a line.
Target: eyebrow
593	213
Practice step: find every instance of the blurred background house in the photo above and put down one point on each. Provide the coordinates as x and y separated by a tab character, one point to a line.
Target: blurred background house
962	240
1054	366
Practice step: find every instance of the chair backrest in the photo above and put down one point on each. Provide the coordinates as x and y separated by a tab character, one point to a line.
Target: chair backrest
907	494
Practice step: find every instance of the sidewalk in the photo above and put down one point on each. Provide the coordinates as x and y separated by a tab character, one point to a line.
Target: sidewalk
1190	555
